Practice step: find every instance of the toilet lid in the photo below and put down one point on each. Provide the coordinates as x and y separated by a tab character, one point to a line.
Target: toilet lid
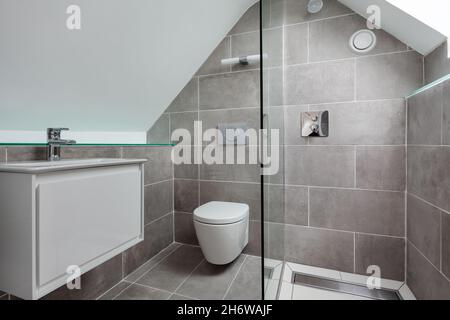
217	212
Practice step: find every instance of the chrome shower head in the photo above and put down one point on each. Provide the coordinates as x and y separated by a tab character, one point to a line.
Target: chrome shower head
314	6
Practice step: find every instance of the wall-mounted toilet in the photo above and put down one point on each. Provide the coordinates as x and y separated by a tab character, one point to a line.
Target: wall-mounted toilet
222	230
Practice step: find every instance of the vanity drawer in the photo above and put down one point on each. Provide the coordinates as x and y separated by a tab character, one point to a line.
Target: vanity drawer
79	219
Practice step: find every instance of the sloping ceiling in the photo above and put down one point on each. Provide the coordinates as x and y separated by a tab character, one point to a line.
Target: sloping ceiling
117	74
401	24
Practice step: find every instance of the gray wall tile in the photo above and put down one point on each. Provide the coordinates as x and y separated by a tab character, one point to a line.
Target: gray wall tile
294	11
245	44
274	239
187	99
247	172
2	154
93	283
160	131
159	165
381	168
26	153
248	22
273	47
273	90
429	174
329	38
158	200
424	229
288	204
186	195
320	82
90	152
437	64
446	113
296	44
374	212
249	193
254	239
318	247
158	235
385	252
388	76
367	123
211	119
184	228
426	282
186	171
231	90
292	125
213	64
425	117
318	166
183	120
446	244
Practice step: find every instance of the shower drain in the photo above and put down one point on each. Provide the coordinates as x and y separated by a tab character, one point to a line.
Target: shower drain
344	287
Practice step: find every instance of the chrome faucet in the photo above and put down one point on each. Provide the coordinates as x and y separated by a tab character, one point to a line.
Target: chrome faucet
55	142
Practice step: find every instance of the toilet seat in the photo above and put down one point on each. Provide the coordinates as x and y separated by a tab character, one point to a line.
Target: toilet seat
220	213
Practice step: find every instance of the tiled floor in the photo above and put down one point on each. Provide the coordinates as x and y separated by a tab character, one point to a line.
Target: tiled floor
290	291
181	273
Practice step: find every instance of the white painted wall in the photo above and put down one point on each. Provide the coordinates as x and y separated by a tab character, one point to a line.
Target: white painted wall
117	74
401	24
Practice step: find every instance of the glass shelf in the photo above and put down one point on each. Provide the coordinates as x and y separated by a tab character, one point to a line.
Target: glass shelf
24	144
430	85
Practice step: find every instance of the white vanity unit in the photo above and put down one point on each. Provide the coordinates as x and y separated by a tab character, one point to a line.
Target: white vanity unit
65	213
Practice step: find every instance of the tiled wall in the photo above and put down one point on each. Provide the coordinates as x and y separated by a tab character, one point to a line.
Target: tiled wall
158	213
428	216
344	194
437	64
217	94
344	203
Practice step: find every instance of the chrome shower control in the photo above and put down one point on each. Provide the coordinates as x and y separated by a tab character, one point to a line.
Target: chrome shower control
315	124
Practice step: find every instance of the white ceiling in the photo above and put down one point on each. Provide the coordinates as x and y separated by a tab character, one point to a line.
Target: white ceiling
405	24
117	74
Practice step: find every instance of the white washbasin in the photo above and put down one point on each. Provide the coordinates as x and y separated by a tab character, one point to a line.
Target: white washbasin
48	166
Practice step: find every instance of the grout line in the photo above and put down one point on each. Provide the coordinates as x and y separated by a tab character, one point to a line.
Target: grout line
420	252
354	252
337	230
355	91
308	43
349	58
189	275
309	206
440	241
234	278
118	283
354	168
155	183
160	218
429	203
156	264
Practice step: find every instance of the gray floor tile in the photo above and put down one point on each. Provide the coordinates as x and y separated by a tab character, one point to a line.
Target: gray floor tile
152	262
115	291
138	292
247	285
171	272
210	281
178	297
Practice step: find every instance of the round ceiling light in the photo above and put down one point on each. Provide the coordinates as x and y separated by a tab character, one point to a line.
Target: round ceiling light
363	41
314	6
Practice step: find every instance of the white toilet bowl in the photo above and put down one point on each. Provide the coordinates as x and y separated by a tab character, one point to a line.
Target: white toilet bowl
222	230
